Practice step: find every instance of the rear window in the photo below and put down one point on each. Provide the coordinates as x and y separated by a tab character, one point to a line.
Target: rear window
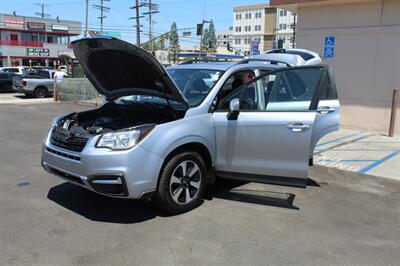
43	74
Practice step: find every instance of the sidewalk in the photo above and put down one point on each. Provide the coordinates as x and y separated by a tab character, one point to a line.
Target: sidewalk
360	152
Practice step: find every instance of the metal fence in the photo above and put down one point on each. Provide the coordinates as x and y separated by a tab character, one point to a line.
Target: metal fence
78	90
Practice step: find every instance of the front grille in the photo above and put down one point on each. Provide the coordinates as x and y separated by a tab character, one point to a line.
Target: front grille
64	175
63	154
63	140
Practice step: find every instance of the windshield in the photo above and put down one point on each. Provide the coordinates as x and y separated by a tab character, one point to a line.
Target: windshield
195	84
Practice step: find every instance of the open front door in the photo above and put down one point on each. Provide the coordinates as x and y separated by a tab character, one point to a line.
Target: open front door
271	136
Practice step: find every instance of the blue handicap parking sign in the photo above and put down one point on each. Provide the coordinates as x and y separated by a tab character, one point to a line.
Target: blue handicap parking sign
329	50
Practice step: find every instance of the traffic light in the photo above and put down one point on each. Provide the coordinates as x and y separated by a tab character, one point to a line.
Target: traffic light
199	29
228	46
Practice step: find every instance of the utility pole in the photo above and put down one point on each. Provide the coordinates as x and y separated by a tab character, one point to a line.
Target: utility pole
87	19
41	13
153	9
294	30
103	9
137	6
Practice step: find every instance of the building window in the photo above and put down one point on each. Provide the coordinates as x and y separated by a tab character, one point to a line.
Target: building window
257	28
258	15
237	41
283	13
282	26
238	28
238	16
268	37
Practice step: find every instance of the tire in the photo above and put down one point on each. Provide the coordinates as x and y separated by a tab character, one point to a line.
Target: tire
178	192
41	92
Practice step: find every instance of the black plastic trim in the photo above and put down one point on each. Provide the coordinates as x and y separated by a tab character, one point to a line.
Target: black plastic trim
264	179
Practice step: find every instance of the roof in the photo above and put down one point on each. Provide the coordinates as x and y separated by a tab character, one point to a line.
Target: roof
250	7
222	66
293	4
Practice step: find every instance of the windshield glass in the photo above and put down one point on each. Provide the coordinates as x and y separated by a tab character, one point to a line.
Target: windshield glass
195	84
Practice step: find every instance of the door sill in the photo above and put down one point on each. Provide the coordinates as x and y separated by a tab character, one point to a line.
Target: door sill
264	179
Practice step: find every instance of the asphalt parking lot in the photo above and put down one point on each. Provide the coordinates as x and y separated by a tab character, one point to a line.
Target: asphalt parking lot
341	218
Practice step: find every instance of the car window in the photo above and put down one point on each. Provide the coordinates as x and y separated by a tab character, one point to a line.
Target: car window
234	88
290	90
11	70
195	84
43	74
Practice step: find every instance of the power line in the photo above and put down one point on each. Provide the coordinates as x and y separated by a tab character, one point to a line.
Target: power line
153	9
41	13
137	6
103	9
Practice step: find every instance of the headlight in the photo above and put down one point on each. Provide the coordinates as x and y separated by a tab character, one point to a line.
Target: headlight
124	140
56	120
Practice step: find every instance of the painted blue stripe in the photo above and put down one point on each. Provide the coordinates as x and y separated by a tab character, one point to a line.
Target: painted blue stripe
390	142
354	150
338	139
375	164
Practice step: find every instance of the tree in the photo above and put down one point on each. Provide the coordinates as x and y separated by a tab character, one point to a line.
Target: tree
209	39
174	42
161	42
204	41
212	38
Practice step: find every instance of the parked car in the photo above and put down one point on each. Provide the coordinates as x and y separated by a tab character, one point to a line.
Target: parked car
14	70
40	85
164	134
9	82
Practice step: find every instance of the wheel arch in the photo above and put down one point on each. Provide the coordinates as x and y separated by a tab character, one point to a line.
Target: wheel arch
195	146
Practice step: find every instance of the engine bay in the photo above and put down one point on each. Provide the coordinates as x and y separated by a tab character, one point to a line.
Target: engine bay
111	117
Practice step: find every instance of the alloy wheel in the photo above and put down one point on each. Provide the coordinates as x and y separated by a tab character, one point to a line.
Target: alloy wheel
185	182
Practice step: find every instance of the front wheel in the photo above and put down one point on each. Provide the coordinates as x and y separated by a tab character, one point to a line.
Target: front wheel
40	92
182	183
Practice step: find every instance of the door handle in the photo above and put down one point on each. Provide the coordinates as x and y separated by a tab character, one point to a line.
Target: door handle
298	127
325	110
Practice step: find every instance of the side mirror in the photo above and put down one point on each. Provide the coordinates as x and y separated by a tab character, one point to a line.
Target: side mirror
234	106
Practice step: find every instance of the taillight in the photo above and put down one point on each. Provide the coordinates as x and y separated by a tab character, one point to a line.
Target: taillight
24	83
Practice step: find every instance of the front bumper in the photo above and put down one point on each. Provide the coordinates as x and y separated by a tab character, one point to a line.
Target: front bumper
129	174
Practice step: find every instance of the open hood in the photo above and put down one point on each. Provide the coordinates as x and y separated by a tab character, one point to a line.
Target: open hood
117	68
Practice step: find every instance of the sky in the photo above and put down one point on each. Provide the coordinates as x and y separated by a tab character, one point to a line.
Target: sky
186	13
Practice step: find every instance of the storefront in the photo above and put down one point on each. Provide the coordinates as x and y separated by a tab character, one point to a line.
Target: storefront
31	41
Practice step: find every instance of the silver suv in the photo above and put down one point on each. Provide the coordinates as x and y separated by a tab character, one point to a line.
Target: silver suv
166	133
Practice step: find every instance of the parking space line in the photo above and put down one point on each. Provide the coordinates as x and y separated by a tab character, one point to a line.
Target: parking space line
348	161
354	150
338	139
376	163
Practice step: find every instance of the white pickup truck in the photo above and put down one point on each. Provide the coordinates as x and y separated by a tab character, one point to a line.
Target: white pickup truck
39	86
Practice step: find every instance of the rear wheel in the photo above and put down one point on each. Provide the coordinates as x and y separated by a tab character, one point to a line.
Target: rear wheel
40	92
182	183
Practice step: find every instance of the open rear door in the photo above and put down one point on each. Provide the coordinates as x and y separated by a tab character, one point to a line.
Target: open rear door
270	139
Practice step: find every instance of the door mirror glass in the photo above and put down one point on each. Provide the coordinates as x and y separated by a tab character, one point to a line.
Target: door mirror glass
234	106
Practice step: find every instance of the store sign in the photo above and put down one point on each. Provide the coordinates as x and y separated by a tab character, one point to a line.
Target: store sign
13	22
38	52
57	27
36	26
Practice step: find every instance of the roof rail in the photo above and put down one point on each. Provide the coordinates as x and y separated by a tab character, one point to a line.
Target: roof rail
273	62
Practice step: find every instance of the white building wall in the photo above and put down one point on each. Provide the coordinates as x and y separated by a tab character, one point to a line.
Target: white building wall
284	26
251	28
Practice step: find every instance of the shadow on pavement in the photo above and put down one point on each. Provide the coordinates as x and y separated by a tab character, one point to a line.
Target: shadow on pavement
100	208
229	190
